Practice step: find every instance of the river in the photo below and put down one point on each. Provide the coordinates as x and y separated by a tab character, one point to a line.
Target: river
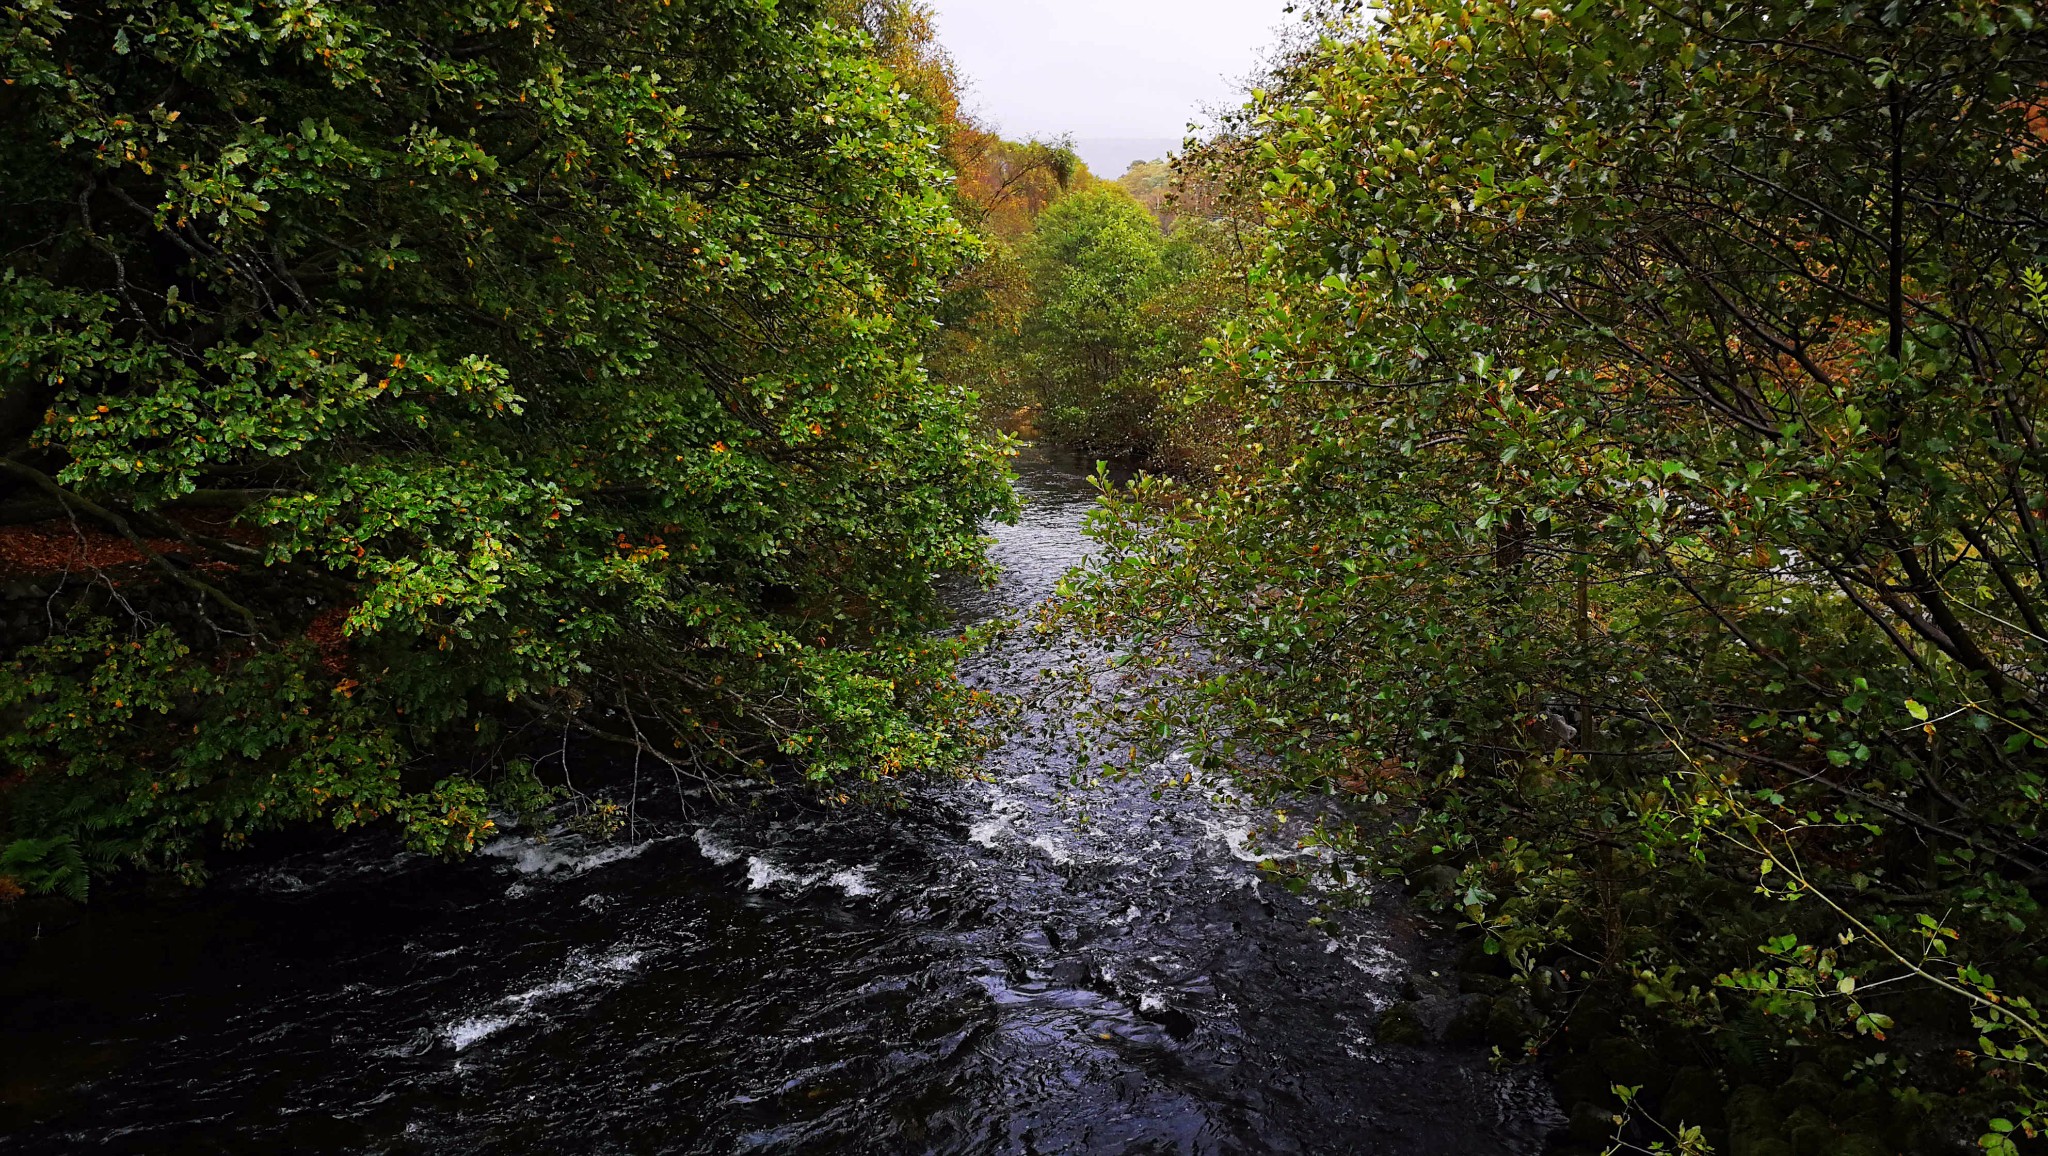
1005	965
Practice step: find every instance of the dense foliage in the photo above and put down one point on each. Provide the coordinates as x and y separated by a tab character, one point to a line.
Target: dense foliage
378	380
1111	311
1000	187
1639	493
1095	259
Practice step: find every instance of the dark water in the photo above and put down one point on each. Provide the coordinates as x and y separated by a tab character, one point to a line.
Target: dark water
1006	966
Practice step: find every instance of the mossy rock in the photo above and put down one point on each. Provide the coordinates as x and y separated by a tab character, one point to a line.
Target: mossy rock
1823	1140
1839	1060
1752	1108
1434	882
1590	1023
1693	1097
1480	983
1624	1061
1591	1123
1581	1080
1812	1140
1467	1022
1510	1024
1806	1115
1809	1132
1754	1119
1810	1084
1864	1100
1402	1025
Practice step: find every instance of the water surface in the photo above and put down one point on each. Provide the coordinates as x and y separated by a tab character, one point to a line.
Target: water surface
1003	966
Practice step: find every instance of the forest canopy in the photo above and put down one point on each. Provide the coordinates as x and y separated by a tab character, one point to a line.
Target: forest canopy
379	382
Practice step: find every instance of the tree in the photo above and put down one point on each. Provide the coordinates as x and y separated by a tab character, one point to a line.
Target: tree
1641	475
1118	315
377	381
1094	259
1151	184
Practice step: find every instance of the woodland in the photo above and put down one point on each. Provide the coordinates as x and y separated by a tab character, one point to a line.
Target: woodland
1594	447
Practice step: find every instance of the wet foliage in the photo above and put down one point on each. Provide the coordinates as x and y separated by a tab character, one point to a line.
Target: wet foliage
380	383
1636	501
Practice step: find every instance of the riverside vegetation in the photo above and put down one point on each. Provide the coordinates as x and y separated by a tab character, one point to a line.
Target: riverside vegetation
1636	503
1598	447
386	382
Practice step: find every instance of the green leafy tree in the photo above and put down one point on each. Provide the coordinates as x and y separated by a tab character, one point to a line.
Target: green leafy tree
1101	317
1640	484
1118	313
1151	184
1095	258
375	378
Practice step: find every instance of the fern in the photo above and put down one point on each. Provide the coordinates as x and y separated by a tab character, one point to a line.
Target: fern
46	867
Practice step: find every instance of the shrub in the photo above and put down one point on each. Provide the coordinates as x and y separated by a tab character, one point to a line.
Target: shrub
377	379
1639	489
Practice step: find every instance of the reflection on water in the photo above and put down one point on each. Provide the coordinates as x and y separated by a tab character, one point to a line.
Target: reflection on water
1000	967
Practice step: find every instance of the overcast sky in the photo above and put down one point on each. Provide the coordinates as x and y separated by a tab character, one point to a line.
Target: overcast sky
1104	68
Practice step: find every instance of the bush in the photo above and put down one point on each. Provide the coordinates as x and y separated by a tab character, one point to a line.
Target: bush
1638	496
379	379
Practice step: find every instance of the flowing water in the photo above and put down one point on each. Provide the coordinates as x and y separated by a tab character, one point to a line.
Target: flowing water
1005	965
